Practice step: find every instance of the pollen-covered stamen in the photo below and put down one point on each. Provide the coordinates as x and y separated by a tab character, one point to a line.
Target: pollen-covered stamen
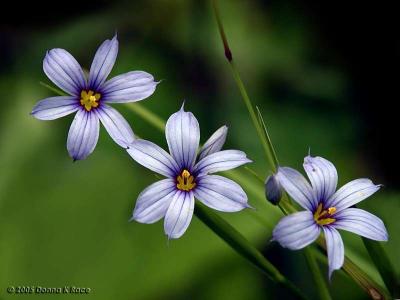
89	99
185	181
324	216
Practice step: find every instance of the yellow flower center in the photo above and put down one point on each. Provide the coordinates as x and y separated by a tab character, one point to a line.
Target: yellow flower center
185	181
324	217
89	99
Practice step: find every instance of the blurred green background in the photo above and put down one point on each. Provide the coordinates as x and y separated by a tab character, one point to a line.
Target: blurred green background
66	224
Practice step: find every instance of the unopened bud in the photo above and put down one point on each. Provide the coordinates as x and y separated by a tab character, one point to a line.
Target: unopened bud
273	190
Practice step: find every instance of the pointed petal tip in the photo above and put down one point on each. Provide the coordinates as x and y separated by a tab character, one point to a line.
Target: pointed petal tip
330	273
247	205
132	219
386	239
183	106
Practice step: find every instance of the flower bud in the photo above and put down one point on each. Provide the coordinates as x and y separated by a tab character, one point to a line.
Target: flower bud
273	190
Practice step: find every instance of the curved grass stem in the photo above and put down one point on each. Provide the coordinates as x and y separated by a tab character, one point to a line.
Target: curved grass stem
266	143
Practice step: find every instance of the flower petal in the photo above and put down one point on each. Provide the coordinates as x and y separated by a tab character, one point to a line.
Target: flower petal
362	223
335	249
221	161
352	193
220	193
102	63
63	69
214	143
153	157
296	231
83	134
323	176
116	125
153	202
183	137
129	87
297	187
55	107
179	214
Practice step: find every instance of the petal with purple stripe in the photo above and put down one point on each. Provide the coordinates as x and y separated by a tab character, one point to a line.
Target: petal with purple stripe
362	223
55	107
220	193
129	87
335	249
323	176
179	214
153	157
214	143
183	136
153	202
221	161
296	231
63	69
297	187
83	134
103	62
116	125
352	193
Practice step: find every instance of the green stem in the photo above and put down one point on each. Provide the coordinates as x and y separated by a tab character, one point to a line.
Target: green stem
268	139
382	263
253	116
239	243
374	290
254	173
53	89
264	137
228	54
148	115
323	291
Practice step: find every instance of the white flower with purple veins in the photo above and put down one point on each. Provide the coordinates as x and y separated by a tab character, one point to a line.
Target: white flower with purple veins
89	97
326	209
188	175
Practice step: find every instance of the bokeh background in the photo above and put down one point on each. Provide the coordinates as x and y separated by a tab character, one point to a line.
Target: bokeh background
323	75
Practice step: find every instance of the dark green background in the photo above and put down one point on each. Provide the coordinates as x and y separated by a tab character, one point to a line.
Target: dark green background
65	224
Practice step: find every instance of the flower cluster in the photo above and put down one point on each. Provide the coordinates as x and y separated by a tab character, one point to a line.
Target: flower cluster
189	171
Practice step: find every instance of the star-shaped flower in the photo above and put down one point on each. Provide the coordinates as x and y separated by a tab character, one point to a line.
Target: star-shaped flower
89	97
326	209
188	175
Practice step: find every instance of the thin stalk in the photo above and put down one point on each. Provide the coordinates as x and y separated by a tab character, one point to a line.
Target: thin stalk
239	243
264	137
268	138
383	264
146	114
53	89
228	54
253	117
253	173
374	290
316	272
